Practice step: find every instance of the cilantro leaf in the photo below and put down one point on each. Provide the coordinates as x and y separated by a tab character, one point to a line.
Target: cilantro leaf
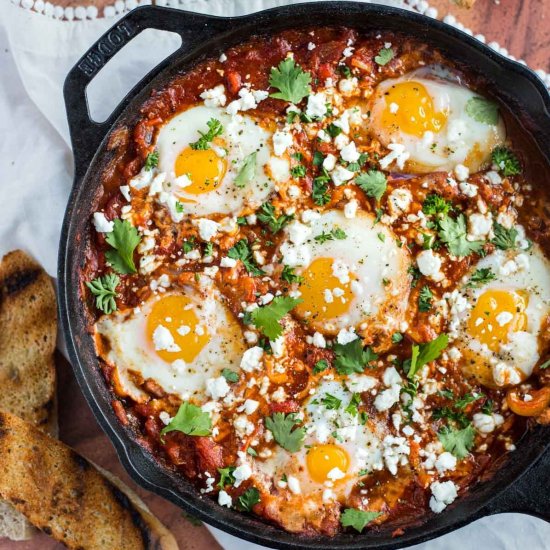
453	234
325	236
504	238
331	402
123	238
241	251
291	81
266	215
425	353
352	357
282	426
230	375
435	204
289	276
247	171
425	297
190	420
545	365
385	55
322	365
353	404
298	171
506	161
396	337
226	476
457	442
468	398
215	128
482	110
188	245
373	183
151	161
104	289
358	519
267	317
248	499
481	276
320	193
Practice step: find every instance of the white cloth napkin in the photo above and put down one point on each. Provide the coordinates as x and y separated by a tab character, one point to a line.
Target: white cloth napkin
36	173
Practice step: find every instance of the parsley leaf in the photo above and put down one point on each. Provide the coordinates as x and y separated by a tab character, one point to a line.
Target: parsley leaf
467	399
104	289
226	476
266	215
241	251
425	297
247	171
230	375
189	245
267	318
457	442
331	402
482	110
289	276
506	161
190	420
215	128
385	55
358	519
353	404
298	171
333	130
318	158
320	366
396	337
504	238
435	204
151	160
291	81
425	353
123	238
481	276
320	193
545	365
352	357
248	499
325	236
453	234
373	183
282	426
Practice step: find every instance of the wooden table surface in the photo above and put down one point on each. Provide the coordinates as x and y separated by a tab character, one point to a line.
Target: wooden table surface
519	25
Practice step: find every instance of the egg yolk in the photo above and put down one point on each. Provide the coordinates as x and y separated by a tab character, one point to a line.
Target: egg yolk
177	314
204	168
496	313
321	459
409	107
323	296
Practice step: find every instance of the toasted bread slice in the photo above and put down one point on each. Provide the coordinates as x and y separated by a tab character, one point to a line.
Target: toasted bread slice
66	496
27	372
28	317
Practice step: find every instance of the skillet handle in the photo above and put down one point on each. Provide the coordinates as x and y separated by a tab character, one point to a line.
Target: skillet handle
530	494
86	134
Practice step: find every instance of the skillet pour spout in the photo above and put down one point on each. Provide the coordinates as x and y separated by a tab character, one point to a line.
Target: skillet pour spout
521	483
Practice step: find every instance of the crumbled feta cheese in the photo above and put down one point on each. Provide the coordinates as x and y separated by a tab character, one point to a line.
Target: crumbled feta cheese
360	383
323	136
277	346
248	99
294	485
165	418
479	225
329	162
215	97
293	191
241	473
316	105
228	262
429	264
505	374
399	201
486	423
469	189
445	461
217	387
493	177
163	340
311	46
125	191
280	169
340	141
345	336
340	175
461	172
319	340
281	142
395	452
349	153
397	154
348	85
224	499
250	406
391	377
298	233
350	209
102	224
142	180
335	474
207	228
386	399
252	359
443	494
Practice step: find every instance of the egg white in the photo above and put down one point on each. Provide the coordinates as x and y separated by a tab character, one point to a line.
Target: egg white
241	137
123	343
461	140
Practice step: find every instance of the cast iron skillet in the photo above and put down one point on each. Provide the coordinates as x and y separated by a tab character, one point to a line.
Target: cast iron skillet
521	484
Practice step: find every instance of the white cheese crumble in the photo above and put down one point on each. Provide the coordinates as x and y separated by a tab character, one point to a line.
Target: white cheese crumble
248	99
217	387
228	262
486	423
469	189
102	224
281	142
319	340
241	473
399	201
329	162
316	105
445	461
398	155
429	264
215	97
350	209
294	485
443	494
461	172
207	228
348	85
346	335
252	359
163	340
350	153
224	499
